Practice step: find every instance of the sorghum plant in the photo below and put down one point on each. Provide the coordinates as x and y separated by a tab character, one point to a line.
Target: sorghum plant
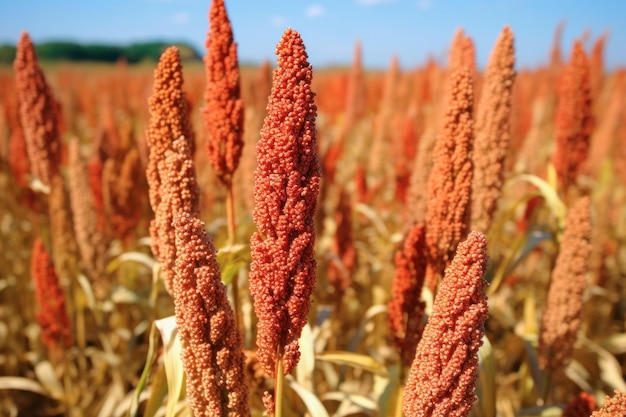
282	273
491	141
443	376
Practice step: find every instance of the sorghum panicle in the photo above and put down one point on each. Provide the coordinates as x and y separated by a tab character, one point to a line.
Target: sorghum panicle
212	346
282	273
581	406
492	129
123	194
443	376
224	111
90	242
64	247
406	308
340	270
613	406
52	317
462	53
574	120
39	111
450	181
563	314
169	120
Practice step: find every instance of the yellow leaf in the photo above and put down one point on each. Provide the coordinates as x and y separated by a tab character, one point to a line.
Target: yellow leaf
616	343
549	193
355	360
313	404
173	364
137	257
22	384
48	378
486	387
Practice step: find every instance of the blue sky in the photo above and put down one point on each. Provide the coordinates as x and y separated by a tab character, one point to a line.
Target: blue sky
410	29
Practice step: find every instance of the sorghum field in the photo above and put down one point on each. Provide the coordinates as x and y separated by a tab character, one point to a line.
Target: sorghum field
276	240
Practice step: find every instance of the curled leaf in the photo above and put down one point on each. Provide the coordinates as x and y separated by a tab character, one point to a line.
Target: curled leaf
355	360
173	364
313	404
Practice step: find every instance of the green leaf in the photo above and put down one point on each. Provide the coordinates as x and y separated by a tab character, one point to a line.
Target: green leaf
523	246
232	259
234	249
230	270
158	391
533	364
150	360
390	399
355	360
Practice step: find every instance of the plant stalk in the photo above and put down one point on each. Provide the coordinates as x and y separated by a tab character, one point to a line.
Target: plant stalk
547	383
230	213
278	391
230	219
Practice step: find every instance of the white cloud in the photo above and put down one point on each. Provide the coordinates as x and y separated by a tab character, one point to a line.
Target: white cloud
278	21
181	18
424	4
372	2
315	10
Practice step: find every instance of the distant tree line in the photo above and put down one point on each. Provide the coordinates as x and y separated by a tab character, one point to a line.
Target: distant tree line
73	51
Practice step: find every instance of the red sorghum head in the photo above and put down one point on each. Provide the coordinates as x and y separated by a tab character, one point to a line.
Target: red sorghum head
282	273
443	376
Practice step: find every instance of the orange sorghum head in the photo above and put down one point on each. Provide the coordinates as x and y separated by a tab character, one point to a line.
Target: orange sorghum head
491	141
562	316
223	114
613	406
574	120
212	346
52	316
450	181
39	112
406	308
282	273
443	376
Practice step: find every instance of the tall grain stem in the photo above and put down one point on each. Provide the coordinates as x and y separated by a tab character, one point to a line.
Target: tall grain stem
230	218
280	383
230	213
